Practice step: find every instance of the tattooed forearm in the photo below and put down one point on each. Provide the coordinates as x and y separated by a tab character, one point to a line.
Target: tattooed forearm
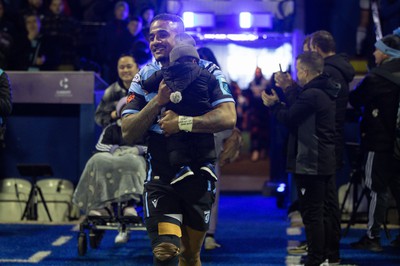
221	118
134	126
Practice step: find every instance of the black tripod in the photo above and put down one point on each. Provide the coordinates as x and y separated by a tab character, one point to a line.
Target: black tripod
356	178
34	171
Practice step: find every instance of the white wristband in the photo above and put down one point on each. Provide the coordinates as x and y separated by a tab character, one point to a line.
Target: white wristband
185	123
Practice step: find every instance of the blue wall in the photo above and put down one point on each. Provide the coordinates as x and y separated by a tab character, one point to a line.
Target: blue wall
61	135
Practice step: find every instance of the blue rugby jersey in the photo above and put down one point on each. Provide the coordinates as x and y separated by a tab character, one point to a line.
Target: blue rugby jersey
138	97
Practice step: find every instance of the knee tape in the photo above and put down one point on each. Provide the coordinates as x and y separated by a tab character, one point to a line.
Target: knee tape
165	251
165	238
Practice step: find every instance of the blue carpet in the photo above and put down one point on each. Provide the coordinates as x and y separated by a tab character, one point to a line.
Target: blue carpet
251	230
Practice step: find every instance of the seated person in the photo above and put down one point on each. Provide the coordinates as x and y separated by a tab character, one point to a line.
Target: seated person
191	86
114	174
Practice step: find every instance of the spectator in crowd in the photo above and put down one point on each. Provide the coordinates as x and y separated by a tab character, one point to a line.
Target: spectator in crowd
207	54
278	140
242	105
106	112
135	41
378	96
369	27
111	40
62	32
258	116
147	14
114	174
339	68
8	34
35	51
226	142
314	108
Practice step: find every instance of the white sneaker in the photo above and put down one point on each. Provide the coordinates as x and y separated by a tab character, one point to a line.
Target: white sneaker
122	238
130	211
98	212
210	243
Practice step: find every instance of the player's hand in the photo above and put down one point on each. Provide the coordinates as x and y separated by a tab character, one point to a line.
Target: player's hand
169	123
231	148
163	94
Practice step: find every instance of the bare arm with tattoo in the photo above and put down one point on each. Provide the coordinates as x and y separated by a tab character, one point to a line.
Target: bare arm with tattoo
222	117
134	126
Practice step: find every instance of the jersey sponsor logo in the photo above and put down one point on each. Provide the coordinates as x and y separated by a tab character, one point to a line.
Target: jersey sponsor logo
207	216
130	98
224	85
154	202
136	78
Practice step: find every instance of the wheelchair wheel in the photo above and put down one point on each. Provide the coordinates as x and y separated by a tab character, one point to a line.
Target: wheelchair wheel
95	237
82	244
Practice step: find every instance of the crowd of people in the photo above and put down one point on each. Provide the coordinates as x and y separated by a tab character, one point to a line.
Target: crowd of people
62	35
319	103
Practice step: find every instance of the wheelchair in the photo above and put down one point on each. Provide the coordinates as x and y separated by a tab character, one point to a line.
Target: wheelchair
96	225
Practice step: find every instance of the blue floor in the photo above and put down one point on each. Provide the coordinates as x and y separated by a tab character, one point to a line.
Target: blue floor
251	230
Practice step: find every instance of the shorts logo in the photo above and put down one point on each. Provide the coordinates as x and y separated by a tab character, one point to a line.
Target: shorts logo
207	216
154	202
303	191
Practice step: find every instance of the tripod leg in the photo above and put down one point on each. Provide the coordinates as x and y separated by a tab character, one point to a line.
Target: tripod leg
44	203
354	213
27	211
345	197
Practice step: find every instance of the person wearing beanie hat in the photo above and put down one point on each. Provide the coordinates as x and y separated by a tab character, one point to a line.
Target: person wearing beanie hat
183	50
378	96
190	97
177	216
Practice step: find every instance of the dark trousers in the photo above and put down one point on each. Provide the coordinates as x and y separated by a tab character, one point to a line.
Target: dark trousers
319	208
382	171
332	221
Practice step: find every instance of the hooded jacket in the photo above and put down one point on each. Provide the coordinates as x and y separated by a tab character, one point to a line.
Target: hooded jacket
379	99
108	103
339	68
311	122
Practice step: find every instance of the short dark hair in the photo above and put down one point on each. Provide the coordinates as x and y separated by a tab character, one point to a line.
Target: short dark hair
323	40
312	61
207	54
306	41
170	17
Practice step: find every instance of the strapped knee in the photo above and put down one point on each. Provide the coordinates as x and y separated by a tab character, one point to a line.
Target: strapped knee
165	251
165	237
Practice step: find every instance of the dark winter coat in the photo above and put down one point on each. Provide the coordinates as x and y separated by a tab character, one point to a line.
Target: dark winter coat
311	121
379	99
339	68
